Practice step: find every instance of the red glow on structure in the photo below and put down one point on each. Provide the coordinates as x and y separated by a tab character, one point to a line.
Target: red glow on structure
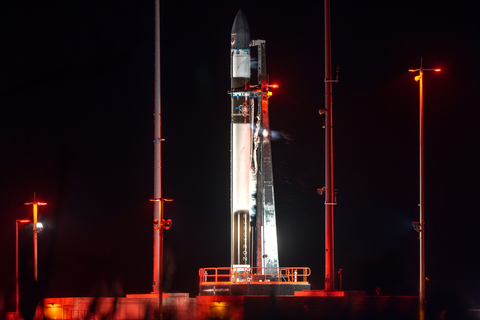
438	70
253	275
274	85
270	93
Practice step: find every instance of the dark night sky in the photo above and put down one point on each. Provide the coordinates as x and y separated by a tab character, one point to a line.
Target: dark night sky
76	127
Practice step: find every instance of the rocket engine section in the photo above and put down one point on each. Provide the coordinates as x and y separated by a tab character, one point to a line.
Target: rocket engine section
241	138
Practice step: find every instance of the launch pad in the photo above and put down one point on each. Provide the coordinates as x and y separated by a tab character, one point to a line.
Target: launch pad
252	289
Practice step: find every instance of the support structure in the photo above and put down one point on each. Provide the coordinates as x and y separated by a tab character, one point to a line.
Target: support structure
160	225
420	226
157	165
37	228
265	218
328	189
421	232
17	295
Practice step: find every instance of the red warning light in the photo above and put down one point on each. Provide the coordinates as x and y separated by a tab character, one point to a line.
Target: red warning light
438	70
270	93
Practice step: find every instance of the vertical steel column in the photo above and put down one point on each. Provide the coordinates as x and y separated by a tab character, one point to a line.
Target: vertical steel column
35	240
16	272
160	225
422	222
329	200
36	230
160	260
157	189
17	295
420	226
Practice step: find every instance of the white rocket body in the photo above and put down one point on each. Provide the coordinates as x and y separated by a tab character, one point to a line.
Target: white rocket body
241	142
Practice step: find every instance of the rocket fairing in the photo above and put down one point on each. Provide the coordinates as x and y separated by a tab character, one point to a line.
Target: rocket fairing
240	140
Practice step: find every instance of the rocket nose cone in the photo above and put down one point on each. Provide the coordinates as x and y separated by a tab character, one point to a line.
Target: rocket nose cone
240	31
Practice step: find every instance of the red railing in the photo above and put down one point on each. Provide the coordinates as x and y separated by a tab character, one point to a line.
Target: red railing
256	275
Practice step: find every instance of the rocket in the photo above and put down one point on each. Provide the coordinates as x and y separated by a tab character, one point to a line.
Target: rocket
240	141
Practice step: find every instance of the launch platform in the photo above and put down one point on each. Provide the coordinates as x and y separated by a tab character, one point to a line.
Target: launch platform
253	281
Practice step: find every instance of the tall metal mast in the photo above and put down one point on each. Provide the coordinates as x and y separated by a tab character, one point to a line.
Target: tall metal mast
329	199
157	189
37	227
420	226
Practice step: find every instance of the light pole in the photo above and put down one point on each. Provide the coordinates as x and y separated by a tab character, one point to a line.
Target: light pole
420	226
37	228
17	309
161	225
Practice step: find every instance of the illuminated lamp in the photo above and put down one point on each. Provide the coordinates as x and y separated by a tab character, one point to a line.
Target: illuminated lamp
53	311
219	310
167	224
